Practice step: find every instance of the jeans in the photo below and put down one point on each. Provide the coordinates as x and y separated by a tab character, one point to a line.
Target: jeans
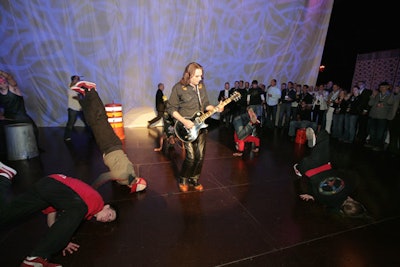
286	110
73	115
271	116
350	127
338	125
377	131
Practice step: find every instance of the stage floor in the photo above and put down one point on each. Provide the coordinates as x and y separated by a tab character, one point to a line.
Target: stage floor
248	215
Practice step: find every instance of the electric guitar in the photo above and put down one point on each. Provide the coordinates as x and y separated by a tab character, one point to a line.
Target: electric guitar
189	135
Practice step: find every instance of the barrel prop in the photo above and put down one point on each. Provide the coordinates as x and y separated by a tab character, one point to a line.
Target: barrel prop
114	117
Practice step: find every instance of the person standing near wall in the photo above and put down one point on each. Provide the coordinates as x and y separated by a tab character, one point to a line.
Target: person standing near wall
160	105
74	109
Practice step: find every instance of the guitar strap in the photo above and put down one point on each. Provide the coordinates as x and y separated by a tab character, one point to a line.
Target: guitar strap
198	95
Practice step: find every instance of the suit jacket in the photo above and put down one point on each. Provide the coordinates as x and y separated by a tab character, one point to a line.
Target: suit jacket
160	105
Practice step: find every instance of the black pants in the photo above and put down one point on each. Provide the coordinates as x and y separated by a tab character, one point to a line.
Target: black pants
43	193
394	134
193	163
96	117
160	114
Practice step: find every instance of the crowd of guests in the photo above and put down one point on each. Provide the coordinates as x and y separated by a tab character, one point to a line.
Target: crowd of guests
356	115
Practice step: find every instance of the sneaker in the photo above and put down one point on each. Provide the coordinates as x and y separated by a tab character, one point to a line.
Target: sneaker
38	262
86	84
6	171
253	116
310	137
237	154
296	171
139	184
78	90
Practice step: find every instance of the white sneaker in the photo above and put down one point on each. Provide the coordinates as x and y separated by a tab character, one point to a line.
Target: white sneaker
296	171
7	171
310	137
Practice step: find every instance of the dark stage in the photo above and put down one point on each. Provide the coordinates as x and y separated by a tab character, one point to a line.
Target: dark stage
248	215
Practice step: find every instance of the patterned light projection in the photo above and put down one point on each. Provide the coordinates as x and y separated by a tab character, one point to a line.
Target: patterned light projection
128	46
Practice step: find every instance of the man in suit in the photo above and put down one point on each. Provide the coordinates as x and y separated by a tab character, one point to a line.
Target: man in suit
160	105
226	115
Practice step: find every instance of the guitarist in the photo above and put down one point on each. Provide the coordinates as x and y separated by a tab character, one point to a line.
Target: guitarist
188	97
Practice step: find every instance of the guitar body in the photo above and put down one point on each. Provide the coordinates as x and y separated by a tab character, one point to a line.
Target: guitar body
189	135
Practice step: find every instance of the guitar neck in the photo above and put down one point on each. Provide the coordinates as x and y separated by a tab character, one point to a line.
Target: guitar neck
209	113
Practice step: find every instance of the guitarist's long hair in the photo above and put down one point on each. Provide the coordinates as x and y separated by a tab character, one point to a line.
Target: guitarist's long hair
189	72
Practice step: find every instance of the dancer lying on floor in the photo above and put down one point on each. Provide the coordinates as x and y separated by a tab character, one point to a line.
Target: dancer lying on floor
320	182
121	168
66	201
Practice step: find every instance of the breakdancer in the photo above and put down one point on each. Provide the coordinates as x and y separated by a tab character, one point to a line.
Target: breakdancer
121	168
322	181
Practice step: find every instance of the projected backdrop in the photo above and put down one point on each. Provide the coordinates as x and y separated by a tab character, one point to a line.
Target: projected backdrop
128	46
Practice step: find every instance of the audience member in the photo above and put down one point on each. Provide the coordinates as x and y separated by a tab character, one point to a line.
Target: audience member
333	95
381	102
340	106
363	117
394	124
288	95
226	115
295	103
273	95
351	115
319	106
255	98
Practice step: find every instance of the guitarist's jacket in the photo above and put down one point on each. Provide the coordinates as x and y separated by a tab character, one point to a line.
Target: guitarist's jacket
184	99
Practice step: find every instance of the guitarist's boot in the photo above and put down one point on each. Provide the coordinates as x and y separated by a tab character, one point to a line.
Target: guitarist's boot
183	184
195	183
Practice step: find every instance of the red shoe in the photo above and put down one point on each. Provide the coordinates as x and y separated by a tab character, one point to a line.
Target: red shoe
38	262
86	84
138	185
78	90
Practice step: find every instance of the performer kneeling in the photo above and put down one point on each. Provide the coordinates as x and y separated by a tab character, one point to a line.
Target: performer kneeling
245	132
